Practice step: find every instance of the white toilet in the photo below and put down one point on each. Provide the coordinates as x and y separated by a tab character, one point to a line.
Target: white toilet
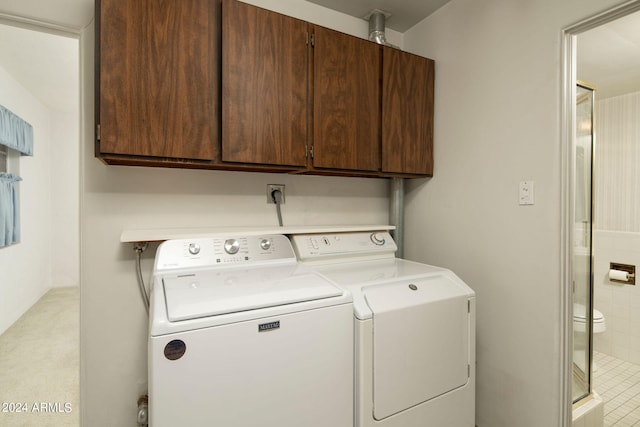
580	319
580	322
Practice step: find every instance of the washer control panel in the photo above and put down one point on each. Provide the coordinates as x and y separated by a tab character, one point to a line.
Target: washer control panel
310	247
223	251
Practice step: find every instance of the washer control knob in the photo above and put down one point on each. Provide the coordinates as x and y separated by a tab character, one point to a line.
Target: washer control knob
194	248
231	246
378	239
265	244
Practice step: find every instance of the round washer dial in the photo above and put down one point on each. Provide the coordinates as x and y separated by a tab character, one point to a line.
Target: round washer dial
231	246
378	239
265	244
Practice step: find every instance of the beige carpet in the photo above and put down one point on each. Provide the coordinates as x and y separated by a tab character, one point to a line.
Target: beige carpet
39	364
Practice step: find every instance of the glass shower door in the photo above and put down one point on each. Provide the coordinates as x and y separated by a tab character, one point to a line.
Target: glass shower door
582	288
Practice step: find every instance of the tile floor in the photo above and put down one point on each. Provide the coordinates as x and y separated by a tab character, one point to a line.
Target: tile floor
618	383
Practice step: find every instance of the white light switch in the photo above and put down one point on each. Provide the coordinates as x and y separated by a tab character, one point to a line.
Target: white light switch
526	194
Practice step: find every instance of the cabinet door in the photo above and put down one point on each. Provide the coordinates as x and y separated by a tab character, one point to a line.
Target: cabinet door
158	78
346	102
264	86
407	111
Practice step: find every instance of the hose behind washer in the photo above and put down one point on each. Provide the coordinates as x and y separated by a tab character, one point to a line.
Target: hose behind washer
140	248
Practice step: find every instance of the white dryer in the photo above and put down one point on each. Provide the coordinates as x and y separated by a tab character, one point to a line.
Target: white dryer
414	331
241	335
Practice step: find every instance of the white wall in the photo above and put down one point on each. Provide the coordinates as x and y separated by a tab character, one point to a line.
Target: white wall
315	14
25	268
114	198
65	204
497	122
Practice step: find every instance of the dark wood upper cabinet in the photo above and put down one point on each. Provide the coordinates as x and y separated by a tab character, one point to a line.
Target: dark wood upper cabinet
407	113
158	87
264	90
346	102
222	84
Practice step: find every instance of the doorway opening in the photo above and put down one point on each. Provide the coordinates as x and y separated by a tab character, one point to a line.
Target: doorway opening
39	330
597	52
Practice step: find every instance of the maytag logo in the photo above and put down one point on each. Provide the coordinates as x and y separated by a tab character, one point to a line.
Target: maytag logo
263	327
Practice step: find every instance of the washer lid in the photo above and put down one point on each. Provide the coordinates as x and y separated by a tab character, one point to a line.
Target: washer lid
212	293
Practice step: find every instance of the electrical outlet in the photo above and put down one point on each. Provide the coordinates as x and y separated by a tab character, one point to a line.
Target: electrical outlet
271	188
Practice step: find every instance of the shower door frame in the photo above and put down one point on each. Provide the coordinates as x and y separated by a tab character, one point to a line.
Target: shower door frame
585	376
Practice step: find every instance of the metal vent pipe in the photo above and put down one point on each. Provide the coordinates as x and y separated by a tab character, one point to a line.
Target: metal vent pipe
377	21
396	213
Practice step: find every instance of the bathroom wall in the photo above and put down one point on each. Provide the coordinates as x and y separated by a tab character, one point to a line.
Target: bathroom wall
617	222
617	175
619	303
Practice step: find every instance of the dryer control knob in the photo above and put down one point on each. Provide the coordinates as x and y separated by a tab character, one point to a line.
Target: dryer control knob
265	244
231	246
378	239
194	248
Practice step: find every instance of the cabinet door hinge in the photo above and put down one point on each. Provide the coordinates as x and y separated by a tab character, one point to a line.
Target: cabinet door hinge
310	151
98	132
312	39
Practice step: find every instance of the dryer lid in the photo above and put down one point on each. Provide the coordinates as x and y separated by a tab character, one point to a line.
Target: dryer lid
421	336
213	293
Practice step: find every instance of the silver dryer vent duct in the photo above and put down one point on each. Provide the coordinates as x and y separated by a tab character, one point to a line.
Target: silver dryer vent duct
377	19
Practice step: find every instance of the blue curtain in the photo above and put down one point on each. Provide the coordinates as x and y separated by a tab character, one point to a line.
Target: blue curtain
9	209
15	133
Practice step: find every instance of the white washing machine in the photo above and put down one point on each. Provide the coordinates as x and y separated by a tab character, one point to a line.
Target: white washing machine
242	335
414	331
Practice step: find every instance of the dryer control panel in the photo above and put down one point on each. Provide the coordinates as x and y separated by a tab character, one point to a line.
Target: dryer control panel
312	247
208	252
